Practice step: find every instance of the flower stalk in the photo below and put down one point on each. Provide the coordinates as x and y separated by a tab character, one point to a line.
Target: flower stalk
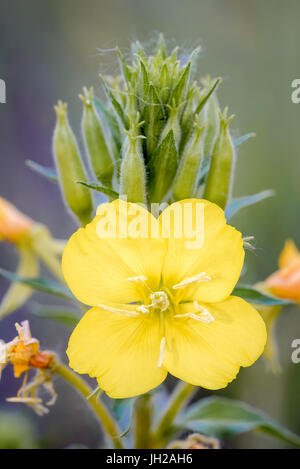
107	422
180	397
142	421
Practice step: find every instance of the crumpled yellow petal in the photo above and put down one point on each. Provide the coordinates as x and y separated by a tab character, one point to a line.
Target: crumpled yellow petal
115	246
210	355
221	255
121	352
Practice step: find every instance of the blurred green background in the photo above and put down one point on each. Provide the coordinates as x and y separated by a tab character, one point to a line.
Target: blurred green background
50	49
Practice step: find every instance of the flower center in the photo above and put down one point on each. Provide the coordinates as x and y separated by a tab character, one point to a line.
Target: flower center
159	300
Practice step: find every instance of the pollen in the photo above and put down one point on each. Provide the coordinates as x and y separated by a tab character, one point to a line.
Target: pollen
160	300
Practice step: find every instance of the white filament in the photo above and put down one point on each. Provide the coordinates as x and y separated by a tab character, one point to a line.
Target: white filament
202	277
162	352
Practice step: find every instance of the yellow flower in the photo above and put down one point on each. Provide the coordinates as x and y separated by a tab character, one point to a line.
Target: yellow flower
159	302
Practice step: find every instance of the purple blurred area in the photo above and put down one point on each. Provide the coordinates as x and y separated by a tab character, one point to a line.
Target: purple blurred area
50	49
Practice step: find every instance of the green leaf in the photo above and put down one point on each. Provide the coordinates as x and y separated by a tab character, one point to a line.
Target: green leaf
109	118
123	412
222	418
243	139
48	173
206	97
115	103
38	283
66	316
240	202
252	295
99	188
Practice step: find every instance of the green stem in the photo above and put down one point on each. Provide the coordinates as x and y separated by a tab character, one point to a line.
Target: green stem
179	398
106	420
142	422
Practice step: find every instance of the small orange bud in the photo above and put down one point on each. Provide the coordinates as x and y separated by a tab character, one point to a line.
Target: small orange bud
14	225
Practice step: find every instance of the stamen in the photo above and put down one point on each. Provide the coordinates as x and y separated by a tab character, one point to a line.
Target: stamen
141	278
162	352
119	311
205	315
202	277
143	309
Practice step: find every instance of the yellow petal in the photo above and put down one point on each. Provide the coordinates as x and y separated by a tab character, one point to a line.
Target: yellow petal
210	355
121	352
288	254
220	255
271	352
115	246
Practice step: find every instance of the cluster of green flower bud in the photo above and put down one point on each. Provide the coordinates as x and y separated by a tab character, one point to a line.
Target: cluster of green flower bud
158	136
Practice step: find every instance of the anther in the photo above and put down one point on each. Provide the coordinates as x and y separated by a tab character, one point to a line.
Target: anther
202	277
204	315
119	311
162	352
143	309
141	278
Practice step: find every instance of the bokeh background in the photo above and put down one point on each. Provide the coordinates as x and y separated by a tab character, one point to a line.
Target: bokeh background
49	50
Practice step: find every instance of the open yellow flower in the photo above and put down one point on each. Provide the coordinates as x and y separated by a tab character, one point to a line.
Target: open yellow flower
158	305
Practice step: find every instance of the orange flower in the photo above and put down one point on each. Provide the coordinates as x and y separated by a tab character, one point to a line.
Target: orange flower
285	282
14	225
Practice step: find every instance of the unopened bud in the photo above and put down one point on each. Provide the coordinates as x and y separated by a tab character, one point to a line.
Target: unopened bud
212	124
133	174
173	123
219	179
70	167
163	167
154	118
97	148
186	179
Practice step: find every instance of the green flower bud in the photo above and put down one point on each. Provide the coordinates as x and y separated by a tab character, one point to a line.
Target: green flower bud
220	176
114	102
163	167
97	148
178	94
212	126
154	118
70	168
172	162
173	123
186	178
133	174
